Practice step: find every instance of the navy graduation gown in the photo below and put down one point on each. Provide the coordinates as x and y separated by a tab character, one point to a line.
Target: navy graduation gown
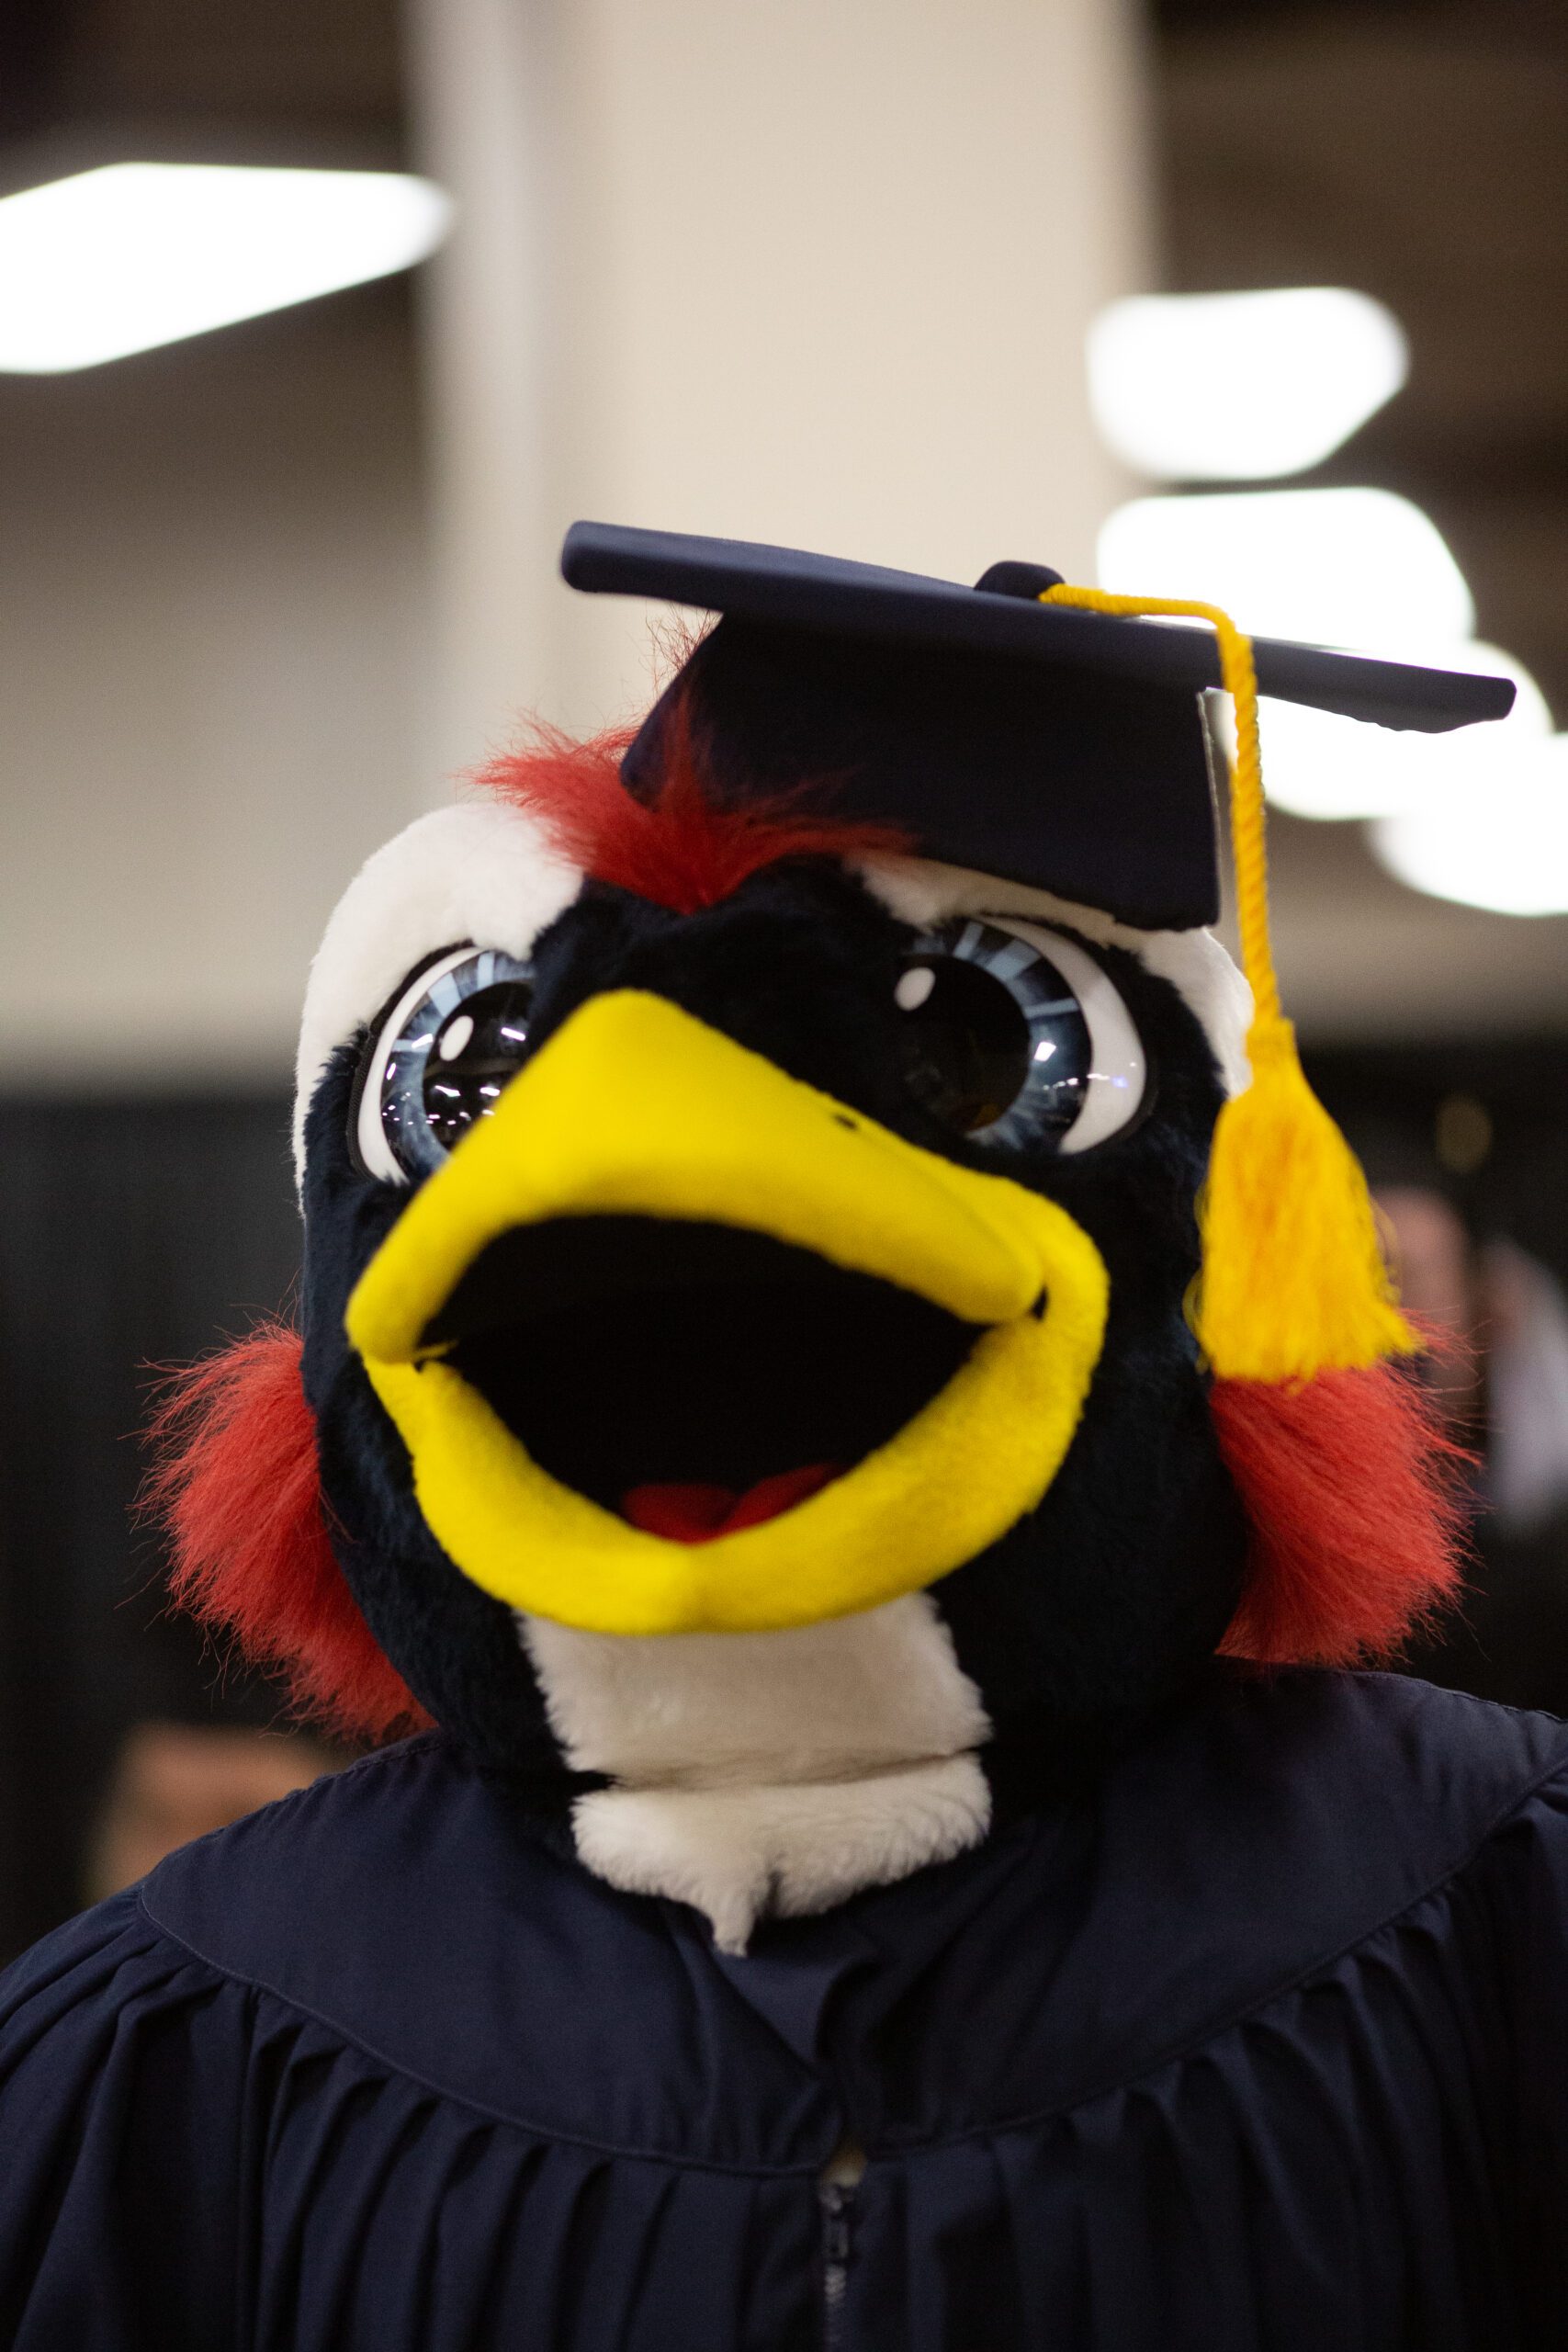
1262	2046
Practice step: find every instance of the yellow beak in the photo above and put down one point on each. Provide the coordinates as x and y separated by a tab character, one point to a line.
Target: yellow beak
635	1108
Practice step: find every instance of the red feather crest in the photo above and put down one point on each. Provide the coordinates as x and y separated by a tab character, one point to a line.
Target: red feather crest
237	1489
685	848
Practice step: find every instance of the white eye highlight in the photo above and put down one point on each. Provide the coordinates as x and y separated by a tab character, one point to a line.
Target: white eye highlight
455	1038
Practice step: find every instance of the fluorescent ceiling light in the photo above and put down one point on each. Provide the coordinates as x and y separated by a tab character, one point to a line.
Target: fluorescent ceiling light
1501	843
136	255
1234	386
1359	568
1317	763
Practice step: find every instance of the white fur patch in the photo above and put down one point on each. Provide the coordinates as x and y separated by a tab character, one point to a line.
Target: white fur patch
479	870
768	1771
920	891
742	1854
815	1703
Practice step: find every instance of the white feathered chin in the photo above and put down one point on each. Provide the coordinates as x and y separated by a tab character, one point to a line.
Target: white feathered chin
741	1854
765	1773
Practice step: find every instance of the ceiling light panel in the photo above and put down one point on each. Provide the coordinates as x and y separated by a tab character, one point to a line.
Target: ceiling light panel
1498	840
1317	763
1359	567
1238	386
134	256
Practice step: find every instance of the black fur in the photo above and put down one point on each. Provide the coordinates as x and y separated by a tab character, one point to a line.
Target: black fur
1090	1612
454	1646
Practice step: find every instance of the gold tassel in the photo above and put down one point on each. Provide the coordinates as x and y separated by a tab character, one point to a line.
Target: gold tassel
1292	1281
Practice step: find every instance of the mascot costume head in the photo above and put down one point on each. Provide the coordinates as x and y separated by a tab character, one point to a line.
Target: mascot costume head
827	1301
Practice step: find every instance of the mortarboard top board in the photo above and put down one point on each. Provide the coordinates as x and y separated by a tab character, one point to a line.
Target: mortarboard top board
1053	747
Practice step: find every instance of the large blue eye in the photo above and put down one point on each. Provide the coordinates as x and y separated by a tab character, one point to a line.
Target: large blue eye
1015	1035
440	1060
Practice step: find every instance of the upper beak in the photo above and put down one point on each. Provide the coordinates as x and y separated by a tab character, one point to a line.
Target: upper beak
635	1108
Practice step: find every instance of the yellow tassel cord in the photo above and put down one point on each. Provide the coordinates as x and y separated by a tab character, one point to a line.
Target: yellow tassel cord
1292	1281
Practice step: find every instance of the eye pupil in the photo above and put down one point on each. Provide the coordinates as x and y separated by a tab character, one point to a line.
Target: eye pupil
476	1051
966	1043
996	1042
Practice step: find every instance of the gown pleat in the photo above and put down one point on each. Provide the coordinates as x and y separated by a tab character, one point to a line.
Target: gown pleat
1259	2047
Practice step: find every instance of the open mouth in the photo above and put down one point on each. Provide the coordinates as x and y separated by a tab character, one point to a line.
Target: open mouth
677	1344
695	1378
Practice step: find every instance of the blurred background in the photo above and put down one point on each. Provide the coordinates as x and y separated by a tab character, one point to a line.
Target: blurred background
1264	300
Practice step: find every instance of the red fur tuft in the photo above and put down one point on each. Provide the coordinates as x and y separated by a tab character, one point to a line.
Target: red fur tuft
1352	1490
686	849
236	1487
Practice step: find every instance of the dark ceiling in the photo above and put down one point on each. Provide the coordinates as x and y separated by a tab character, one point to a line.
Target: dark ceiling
1419	153
251	75
1186	15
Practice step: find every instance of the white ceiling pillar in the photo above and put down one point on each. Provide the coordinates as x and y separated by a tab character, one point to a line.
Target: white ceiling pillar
787	269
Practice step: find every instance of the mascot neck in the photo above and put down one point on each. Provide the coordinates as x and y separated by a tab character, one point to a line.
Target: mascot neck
758	1774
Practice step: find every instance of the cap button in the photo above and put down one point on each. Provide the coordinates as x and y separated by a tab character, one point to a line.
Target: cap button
1027	580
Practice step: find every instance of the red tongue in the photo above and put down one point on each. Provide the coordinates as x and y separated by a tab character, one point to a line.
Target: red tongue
696	1514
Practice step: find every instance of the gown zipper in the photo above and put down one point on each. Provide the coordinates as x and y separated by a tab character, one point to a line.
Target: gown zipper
837	2204
836	2187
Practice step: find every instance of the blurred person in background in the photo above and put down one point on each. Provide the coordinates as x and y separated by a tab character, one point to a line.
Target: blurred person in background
174	1782
1504	1390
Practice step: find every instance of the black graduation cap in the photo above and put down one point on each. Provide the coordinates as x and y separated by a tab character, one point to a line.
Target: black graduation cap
1059	748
